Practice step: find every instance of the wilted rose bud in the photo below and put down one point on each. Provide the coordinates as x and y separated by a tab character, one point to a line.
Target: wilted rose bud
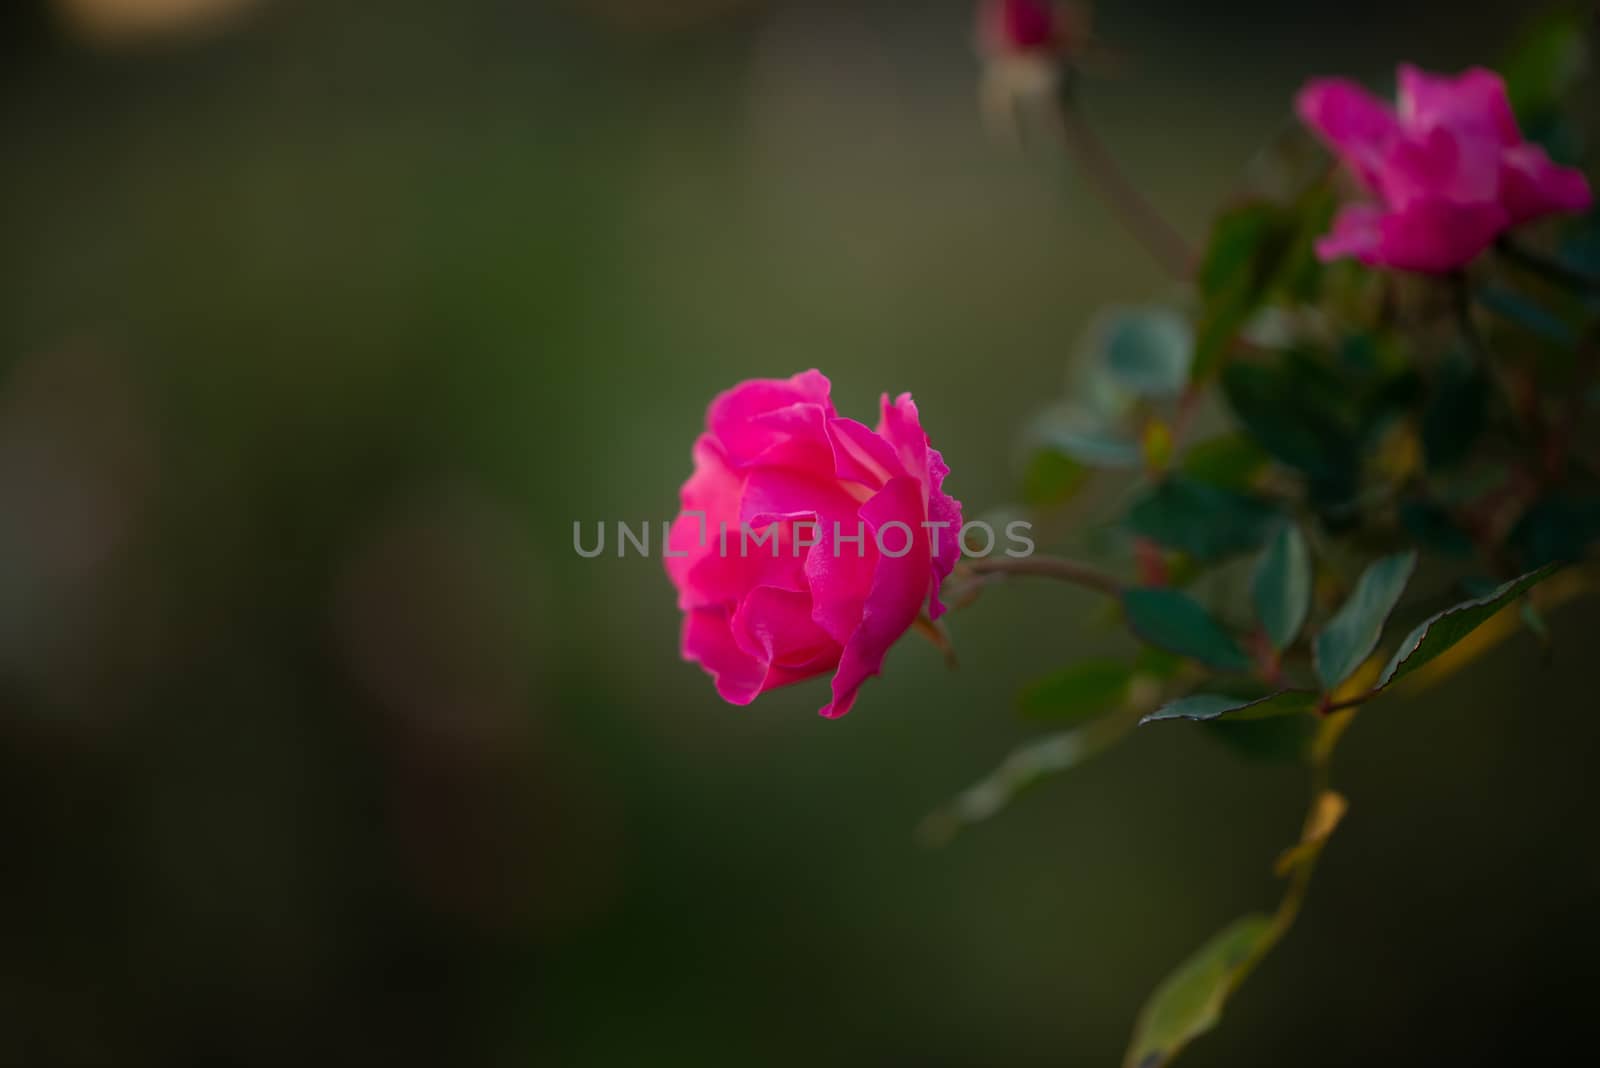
1026	45
1033	29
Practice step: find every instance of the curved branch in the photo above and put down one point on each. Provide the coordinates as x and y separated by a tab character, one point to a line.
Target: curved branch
1052	567
1159	237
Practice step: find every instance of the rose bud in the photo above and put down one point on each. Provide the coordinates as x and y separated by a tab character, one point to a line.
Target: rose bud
1448	169
808	543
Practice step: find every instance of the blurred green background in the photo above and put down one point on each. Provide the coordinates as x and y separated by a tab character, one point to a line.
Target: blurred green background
320	324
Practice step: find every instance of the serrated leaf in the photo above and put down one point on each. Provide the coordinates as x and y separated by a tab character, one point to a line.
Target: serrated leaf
1282	586
1085	691
1148	351
1189	1002
1176	622
1211	707
1436	634
1354	631
1205	521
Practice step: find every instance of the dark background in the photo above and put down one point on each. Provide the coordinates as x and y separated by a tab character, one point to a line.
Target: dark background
319	327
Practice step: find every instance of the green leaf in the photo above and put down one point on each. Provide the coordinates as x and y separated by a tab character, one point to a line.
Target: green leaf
1205	521
1148	351
1353	632
1024	768
1211	707
1438	633
1246	246
1230	461
1083	436
1291	409
1176	622
1548	59
1282	586
1558	529
1085	691
1189	1002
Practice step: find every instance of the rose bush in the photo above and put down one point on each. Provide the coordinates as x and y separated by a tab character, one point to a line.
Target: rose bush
788	554
1449	168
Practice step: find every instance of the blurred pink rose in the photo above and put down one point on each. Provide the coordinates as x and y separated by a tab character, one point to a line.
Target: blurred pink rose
778	462
1011	26
1449	169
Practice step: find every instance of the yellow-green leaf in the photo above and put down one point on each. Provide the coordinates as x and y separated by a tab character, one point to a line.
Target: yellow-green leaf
1189	1002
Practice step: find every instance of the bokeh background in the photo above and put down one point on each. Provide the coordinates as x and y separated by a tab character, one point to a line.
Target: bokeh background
320	324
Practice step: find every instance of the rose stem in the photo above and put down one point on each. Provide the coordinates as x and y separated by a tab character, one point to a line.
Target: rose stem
1159	237
1054	567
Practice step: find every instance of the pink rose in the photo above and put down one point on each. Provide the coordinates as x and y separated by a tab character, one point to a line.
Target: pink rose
821	541
1449	169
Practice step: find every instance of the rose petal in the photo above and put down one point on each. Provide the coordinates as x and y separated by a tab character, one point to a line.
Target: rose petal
1534	185
1440	164
898	588
1474	101
1355	124
1437	236
1354	234
754	417
775	627
708	641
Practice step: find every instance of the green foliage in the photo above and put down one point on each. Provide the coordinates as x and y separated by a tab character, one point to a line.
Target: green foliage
1081	434
1231	461
1520	310
1282	586
1211	707
1203	520
1189	1002
1455	414
1292	408
1354	412
1176	622
1547	61
1353	633
1024	768
1148	352
1438	633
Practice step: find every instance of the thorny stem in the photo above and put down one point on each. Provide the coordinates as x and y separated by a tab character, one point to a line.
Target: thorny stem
1552	269
1054	567
1159	237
